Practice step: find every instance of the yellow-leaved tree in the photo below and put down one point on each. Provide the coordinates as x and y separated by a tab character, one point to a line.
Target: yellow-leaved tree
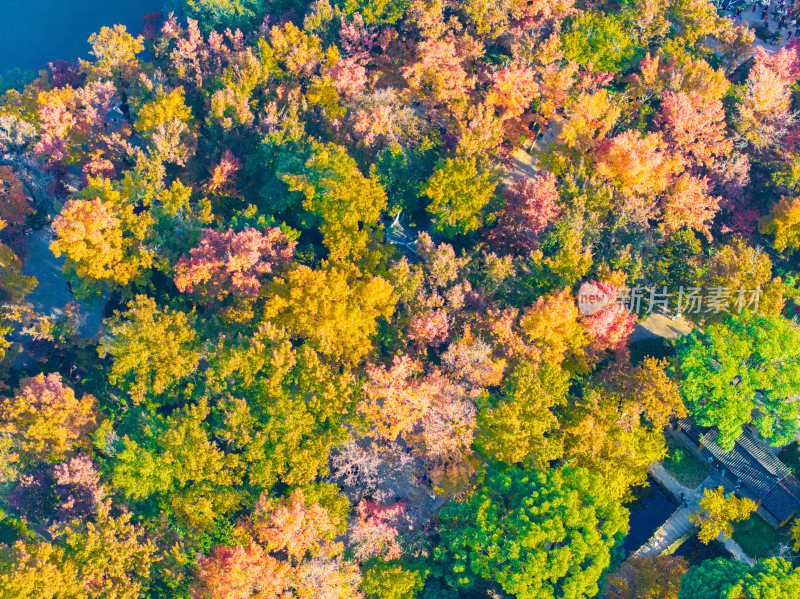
45	420
115	52
334	308
110	557
102	235
459	191
783	222
344	204
152	348
717	512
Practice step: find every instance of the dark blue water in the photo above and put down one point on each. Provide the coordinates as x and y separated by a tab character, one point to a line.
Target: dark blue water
695	552
650	510
35	32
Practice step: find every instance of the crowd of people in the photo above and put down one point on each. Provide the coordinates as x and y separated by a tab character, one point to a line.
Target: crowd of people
781	13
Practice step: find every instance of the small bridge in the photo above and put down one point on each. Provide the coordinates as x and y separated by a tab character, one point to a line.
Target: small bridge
679	524
676	526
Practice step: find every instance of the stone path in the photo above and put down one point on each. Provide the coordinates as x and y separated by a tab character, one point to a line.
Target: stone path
736	551
679	524
670	532
660	325
524	161
753	19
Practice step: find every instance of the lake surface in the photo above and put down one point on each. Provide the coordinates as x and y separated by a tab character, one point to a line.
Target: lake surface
35	32
648	512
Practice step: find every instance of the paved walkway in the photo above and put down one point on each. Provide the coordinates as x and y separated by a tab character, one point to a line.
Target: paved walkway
670	532
727	480
659	325
753	19
679	524
525	160
736	551
51	290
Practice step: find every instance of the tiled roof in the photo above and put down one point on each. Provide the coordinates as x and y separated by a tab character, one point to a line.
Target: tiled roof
758	469
780	503
792	485
743	465
762	453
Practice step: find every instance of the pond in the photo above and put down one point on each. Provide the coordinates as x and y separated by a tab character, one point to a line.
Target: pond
35	32
695	552
649	511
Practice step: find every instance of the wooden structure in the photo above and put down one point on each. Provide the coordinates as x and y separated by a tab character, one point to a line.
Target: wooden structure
752	466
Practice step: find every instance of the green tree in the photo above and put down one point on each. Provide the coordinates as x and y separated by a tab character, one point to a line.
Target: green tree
745	362
287	426
152	348
601	39
176	462
522	428
538	535
271	415
341	202
676	263
459	191
390	580
235	14
375	12
727	579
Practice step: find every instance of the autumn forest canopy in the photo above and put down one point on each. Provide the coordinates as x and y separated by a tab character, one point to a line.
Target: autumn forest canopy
342	251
